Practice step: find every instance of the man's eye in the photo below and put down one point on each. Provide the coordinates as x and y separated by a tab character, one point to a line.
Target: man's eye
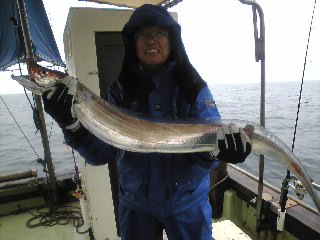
155	35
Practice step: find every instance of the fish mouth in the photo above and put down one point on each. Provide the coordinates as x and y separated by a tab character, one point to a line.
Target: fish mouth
36	76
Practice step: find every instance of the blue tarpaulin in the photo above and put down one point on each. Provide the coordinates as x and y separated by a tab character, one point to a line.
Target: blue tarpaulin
12	48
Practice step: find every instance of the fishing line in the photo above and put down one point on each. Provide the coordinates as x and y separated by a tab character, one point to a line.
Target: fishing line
35	111
41	36
303	74
18	32
51	129
19	127
76	169
218	183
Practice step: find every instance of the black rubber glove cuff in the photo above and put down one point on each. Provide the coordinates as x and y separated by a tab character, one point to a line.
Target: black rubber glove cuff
58	103
233	144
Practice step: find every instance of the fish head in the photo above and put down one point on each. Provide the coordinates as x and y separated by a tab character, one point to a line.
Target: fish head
45	77
249	130
41	79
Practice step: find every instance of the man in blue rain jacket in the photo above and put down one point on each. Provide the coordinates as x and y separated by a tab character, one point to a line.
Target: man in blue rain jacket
157	191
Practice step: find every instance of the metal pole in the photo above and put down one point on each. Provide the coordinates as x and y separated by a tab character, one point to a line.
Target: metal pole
262	115
43	129
260	56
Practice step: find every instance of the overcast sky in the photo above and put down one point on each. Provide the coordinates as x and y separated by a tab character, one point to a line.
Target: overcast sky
218	37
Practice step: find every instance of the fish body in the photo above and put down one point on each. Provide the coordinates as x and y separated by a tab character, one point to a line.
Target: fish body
133	132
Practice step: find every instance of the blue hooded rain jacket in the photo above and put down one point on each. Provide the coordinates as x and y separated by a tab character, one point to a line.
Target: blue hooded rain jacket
159	184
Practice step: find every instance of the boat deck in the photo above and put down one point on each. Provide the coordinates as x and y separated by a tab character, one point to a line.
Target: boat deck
238	221
13	227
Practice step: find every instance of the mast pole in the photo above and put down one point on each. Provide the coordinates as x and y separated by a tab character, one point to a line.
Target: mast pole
43	130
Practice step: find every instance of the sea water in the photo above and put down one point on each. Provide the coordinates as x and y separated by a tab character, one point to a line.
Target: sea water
20	151
242	101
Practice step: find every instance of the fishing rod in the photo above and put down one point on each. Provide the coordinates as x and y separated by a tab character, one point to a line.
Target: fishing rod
285	184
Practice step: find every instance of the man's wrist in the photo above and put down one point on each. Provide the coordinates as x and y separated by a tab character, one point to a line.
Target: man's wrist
71	126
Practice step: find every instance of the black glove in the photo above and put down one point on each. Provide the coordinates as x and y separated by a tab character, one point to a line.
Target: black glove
58	103
233	144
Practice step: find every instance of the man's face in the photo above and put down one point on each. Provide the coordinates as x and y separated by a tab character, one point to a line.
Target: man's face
152	46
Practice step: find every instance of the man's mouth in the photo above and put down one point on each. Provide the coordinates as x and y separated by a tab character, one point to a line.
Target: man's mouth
152	51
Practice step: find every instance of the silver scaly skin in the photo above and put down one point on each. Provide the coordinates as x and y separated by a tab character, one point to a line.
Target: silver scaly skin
132	132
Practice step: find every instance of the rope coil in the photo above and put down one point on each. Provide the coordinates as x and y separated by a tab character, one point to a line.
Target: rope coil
57	216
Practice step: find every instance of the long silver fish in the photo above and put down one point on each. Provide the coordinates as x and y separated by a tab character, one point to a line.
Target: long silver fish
133	132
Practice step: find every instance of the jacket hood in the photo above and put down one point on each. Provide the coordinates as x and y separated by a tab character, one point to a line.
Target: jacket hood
132	78
152	15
